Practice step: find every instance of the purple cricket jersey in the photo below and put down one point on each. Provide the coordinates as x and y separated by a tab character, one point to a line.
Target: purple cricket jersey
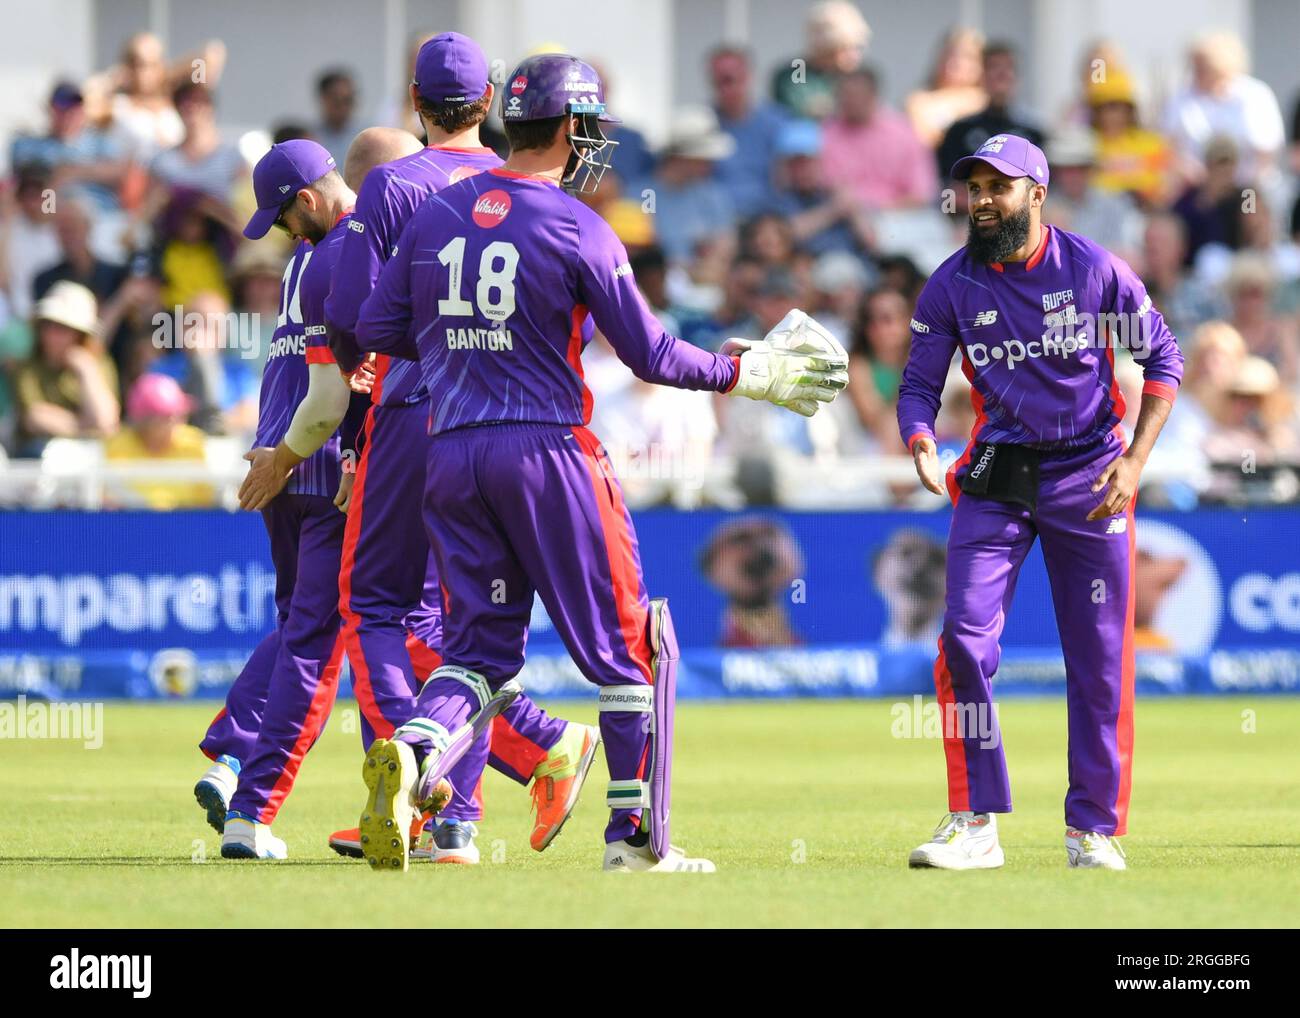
389	196
1028	333
491	285
299	340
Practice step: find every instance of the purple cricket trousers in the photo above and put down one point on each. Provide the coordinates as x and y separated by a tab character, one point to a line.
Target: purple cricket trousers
1090	567
390	599
518	509
278	706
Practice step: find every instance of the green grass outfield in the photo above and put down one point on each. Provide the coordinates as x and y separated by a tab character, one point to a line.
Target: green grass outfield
808	809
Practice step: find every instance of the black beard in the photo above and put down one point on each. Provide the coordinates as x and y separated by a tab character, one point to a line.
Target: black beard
1011	235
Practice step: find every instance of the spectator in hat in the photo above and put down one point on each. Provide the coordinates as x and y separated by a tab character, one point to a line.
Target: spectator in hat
68	386
690	204
1255	417
837	37
1001	115
1129	159
872	151
753	126
1222	99
822	219
953	89
76	157
156	430
1108	218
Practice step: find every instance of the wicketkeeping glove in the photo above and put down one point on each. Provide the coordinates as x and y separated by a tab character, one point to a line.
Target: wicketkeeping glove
798	365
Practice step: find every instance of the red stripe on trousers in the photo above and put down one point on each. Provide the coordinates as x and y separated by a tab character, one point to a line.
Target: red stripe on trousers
1124	723
632	618
954	747
317	711
424	659
361	685
212	724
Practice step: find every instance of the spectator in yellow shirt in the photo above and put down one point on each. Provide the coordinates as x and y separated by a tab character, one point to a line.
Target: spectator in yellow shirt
1129	158
156	409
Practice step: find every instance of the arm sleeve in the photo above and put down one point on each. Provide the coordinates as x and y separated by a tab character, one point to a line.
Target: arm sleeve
318	415
1143	330
328	393
384	324
364	250
607	288
934	340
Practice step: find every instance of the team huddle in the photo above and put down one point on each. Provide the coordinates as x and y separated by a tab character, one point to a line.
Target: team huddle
433	319
435	311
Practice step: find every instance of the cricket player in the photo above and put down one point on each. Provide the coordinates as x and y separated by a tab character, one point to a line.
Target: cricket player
1037	313
278	705
390	597
494	285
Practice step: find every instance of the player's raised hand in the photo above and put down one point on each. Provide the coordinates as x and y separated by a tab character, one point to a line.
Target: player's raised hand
925	454
1122	475
266	479
798	365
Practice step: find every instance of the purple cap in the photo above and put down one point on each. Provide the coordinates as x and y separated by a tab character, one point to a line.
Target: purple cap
450	68
553	85
1006	153
279	175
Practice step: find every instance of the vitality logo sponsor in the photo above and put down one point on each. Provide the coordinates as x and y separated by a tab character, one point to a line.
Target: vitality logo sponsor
491	209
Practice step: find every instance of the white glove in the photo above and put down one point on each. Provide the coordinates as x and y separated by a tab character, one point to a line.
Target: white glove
797	365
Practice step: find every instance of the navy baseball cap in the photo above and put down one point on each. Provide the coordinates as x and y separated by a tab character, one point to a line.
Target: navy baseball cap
279	175
65	96
1006	153
450	68
553	85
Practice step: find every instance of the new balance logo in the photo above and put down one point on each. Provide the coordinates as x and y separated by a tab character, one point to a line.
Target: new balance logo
1118	525
986	318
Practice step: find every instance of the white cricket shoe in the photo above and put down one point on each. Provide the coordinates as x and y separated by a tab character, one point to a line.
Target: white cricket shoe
448	841
962	841
214	792
621	857
244	839
1089	850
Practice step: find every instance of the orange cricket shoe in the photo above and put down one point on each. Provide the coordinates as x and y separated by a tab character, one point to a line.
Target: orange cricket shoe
558	780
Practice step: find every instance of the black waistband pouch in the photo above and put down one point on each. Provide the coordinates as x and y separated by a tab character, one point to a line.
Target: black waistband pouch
1005	473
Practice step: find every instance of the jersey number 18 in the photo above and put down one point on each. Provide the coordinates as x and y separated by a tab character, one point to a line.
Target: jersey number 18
496	273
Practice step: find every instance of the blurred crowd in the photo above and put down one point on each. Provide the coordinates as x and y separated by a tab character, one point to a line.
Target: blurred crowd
793	186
